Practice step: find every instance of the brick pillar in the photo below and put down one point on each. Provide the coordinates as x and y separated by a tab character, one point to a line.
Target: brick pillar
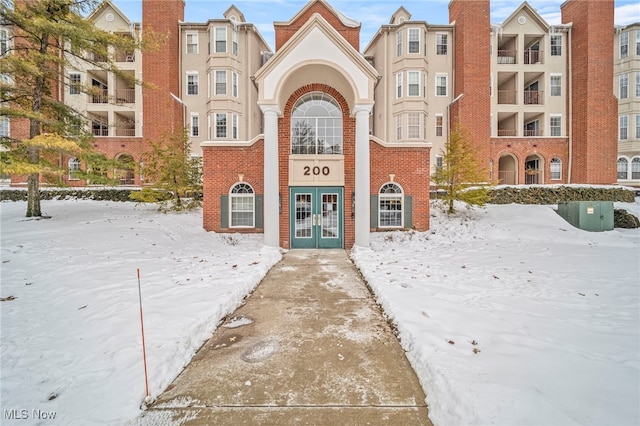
472	76
594	113
162	114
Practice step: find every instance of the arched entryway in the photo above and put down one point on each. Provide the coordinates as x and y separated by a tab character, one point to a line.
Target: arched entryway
125	175
533	170
508	170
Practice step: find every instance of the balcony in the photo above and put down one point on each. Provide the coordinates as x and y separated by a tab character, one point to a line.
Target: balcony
533	57
507	56
533	97
125	96
507	132
99	96
507	97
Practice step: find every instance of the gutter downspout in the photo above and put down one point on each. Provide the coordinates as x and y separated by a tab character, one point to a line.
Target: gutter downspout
570	130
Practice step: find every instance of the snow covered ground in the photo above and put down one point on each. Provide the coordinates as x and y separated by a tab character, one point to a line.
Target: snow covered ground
552	312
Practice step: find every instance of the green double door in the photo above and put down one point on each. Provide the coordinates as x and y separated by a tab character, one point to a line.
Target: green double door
316	217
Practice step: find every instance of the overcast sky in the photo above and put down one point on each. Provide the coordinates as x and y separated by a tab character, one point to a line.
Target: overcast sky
371	13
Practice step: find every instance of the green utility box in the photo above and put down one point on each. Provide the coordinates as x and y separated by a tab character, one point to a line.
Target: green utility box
592	216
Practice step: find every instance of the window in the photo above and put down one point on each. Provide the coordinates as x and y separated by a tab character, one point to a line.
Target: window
399	127
413	125
4	42
234	126
637	84
556	45
623	123
624	86
192	43
192	84
399	43
74	84
316	125
441	44
638	42
4	126
195	124
74	169
555	125
635	168
242	202
623	165
439	124
441	85
556	169
234	41
390	206
221	125
414	40
439	162
624	45
637	126
556	85
221	82
398	85
234	84
413	81
220	40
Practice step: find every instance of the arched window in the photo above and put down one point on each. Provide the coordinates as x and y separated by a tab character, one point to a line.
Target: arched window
635	168
623	167
242	206
74	168
556	168
316	125
390	209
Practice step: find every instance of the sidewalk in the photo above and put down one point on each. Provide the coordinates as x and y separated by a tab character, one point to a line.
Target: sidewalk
309	346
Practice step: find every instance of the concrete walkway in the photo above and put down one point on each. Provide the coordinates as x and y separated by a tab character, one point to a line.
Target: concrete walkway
310	346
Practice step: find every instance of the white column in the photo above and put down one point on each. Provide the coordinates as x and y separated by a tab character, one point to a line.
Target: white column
271	182
363	175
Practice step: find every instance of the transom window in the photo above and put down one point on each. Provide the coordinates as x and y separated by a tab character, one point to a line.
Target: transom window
390	206
316	125
242	206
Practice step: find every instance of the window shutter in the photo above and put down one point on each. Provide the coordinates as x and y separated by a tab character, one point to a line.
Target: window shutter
224	211
408	211
258	211
374	211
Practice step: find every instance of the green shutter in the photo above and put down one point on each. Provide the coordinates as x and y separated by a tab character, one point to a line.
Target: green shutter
408	211
224	211
258	211
374	211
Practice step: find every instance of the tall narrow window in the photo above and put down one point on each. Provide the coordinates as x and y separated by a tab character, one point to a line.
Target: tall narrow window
441	44
414	40
221	39
624	45
195	124
192	43
74	169
221	82
221	125
441	85
399	127
623	123
556	169
399	43
390	209
555	125
556	45
439	124
316	125
4	42
637	84
234	41
637	126
635	168
413	81
74	84
413	125
192	84
624	86
4	126
623	166
555	84
398	85
234	126
242	206
439	162
234	84
638	42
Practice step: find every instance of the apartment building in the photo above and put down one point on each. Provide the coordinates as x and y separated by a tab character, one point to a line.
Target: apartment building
321	141
627	89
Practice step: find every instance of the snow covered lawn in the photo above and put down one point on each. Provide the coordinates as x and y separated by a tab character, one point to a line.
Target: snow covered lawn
552	312
512	316
71	341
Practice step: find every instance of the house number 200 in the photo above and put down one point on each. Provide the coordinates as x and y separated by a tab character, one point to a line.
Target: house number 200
316	170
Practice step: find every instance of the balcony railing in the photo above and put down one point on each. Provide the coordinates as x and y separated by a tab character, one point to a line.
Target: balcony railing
533	97
100	132
532	57
125	96
99	97
507	56
533	132
507	132
125	132
507	97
